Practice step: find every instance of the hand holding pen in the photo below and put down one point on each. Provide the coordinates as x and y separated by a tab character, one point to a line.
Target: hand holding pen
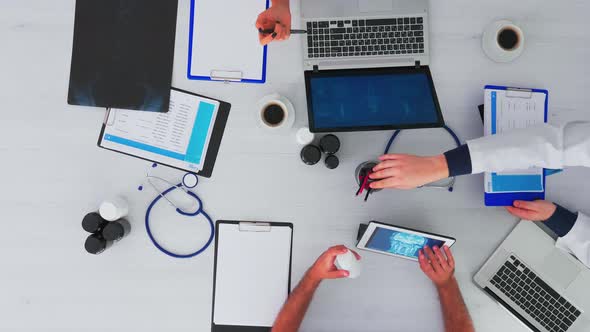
272	31
274	23
364	184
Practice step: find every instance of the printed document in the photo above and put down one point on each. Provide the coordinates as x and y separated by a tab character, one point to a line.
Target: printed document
178	138
507	110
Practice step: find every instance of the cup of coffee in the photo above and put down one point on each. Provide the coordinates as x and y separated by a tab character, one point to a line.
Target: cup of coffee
509	38
503	41
273	115
275	112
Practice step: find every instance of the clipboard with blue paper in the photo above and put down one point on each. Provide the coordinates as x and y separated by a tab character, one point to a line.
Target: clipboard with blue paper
508	109
223	41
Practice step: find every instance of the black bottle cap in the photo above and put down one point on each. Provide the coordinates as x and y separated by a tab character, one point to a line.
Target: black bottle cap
330	144
332	161
311	154
93	222
95	244
113	231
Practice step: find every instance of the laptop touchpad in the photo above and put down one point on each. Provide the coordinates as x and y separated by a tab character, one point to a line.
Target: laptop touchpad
560	269
368	6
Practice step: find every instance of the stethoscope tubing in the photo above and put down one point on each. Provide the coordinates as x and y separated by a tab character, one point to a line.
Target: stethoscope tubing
200	210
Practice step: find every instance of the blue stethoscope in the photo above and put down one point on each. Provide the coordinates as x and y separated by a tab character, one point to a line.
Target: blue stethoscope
189	181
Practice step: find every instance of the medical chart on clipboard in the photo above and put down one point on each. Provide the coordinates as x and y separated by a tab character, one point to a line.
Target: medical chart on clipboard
508	109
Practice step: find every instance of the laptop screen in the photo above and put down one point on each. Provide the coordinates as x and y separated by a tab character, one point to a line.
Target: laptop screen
372	99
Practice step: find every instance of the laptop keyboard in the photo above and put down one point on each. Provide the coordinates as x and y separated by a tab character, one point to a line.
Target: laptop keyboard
533	295
367	37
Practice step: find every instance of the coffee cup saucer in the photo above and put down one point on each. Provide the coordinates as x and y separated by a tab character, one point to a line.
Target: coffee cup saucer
490	42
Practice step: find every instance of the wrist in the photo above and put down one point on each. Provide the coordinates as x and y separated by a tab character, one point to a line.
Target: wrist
281	3
561	221
553	210
447	285
310	281
441	166
458	161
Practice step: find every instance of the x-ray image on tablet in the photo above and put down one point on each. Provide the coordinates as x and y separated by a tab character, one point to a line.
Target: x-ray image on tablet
397	241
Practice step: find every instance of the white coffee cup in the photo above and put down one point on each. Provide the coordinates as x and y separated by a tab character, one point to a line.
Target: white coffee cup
275	112
503	41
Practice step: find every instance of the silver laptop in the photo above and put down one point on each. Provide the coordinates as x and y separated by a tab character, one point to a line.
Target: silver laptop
350	34
544	287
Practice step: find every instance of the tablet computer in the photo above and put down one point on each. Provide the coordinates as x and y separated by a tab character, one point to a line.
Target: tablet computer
399	241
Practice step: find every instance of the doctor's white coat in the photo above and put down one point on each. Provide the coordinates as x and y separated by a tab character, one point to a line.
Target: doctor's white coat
541	146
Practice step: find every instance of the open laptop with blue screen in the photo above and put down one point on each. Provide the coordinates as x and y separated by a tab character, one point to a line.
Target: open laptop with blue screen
372	99
366	65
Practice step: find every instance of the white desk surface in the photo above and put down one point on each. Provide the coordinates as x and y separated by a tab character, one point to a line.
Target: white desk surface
53	173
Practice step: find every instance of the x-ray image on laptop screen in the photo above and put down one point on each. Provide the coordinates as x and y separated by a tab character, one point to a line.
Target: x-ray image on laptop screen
372	100
400	243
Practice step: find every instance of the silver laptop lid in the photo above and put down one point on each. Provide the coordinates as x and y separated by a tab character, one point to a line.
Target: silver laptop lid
364	8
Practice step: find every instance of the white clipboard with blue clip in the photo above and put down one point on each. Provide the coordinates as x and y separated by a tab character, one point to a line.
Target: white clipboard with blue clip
506	109
223	41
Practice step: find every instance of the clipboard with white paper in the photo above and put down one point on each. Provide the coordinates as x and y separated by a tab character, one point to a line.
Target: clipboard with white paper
252	274
223	41
187	137
508	109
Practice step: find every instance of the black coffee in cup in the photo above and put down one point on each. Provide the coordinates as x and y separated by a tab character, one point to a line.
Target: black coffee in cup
508	38
273	115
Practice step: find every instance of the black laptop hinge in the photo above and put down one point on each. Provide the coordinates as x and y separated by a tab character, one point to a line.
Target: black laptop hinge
316	69
418	64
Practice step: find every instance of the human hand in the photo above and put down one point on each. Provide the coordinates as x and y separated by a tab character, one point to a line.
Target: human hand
403	171
277	18
436	266
534	211
324	267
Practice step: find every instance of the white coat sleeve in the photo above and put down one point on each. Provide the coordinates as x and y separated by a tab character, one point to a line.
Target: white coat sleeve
541	146
577	240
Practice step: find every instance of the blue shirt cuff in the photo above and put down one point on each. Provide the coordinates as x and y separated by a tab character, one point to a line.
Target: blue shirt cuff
562	221
459	161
